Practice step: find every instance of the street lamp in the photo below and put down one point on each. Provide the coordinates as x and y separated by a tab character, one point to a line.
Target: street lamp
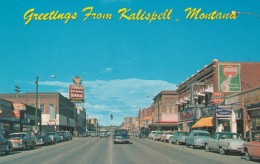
36	103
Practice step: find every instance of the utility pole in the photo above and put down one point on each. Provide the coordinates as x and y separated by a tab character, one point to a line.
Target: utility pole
36	103
139	120
158	113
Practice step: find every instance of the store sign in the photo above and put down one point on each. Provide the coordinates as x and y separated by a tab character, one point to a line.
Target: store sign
217	97
76	93
223	111
186	115
229	78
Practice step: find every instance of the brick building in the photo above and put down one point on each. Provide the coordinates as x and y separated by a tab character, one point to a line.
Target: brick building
57	111
198	95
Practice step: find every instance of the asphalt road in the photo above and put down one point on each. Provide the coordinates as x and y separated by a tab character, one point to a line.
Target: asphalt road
102	151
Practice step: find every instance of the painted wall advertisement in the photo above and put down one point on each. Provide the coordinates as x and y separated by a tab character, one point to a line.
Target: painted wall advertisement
229	78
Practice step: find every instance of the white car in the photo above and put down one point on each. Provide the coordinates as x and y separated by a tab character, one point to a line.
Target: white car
225	142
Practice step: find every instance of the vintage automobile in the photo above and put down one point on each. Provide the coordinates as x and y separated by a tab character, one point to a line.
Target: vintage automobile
166	136
21	140
197	138
103	133
157	135
224	142
65	135
54	137
178	138
121	136
151	134
5	145
41	139
252	148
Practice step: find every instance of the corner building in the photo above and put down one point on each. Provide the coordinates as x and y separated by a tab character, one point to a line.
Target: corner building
201	97
57	111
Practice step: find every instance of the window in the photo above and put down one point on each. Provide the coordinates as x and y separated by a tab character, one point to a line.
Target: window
42	108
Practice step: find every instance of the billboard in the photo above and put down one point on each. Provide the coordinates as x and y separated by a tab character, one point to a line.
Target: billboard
229	77
77	91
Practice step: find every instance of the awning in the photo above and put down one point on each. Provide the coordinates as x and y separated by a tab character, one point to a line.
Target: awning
204	122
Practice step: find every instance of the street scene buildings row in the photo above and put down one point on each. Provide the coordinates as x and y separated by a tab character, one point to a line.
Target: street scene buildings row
223	96
55	113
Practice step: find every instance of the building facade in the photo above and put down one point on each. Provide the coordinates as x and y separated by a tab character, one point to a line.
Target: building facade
202	95
57	111
15	117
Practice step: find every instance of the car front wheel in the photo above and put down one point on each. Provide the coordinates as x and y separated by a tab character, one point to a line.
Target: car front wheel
207	148
247	156
7	149
222	151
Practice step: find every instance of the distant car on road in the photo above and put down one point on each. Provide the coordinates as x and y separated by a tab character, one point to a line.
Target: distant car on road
178	138
252	148
225	142
197	138
21	140
103	134
5	145
121	136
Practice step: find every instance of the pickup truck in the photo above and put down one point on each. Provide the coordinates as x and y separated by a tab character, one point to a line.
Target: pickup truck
225	142
121	136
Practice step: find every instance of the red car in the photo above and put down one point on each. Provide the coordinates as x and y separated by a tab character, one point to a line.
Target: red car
252	148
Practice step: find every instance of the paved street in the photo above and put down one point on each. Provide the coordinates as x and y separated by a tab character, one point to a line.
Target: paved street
102	150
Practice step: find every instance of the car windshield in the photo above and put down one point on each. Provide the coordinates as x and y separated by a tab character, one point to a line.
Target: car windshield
201	134
121	132
16	135
184	133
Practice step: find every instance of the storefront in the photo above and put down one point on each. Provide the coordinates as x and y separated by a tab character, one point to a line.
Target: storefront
16	117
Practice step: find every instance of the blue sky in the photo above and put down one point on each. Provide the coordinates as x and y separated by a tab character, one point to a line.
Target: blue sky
124	64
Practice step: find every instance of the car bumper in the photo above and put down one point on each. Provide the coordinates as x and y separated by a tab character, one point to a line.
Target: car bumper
121	140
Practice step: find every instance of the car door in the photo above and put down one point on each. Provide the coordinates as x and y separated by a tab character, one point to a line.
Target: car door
215	141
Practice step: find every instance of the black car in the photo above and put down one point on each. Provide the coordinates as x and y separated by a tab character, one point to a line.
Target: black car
121	136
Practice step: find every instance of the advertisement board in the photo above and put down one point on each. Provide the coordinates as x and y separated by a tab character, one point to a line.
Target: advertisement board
229	77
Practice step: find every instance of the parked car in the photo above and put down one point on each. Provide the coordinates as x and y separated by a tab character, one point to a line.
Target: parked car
225	142
54	137
252	148
94	134
5	145
166	136
121	136
178	138
197	138
42	139
157	135
151	134
65	135
21	140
